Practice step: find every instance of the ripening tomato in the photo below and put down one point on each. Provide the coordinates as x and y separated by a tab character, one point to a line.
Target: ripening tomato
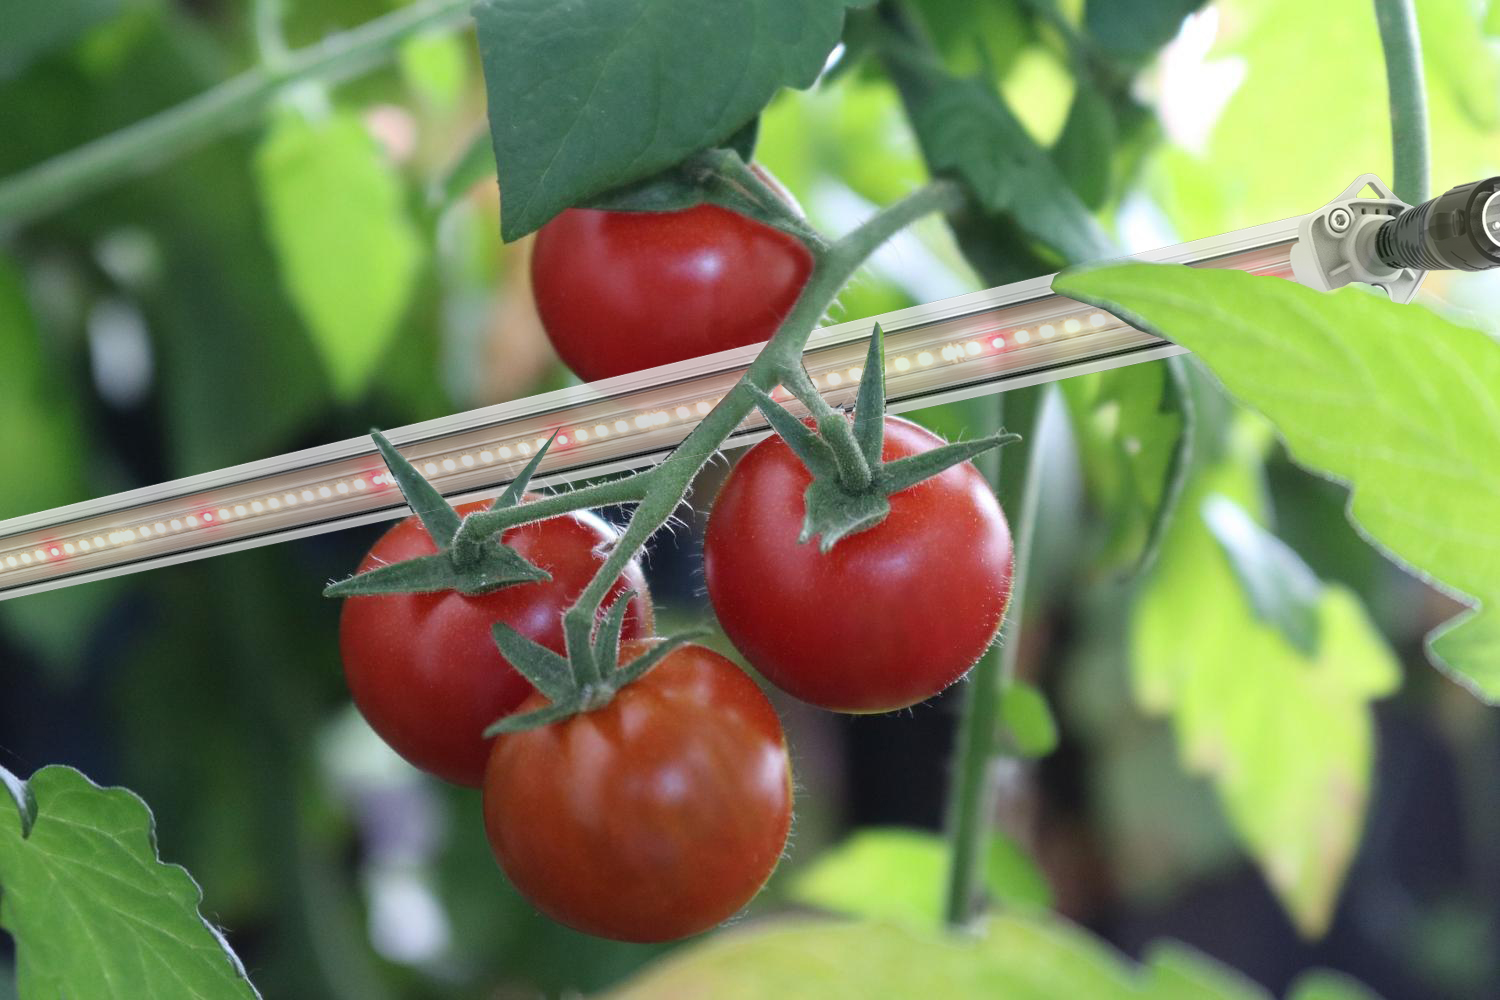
621	291
657	816
889	616
423	668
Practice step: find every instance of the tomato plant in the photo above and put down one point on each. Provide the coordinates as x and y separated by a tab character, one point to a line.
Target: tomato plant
623	291
423	668
655	817
889	616
1205	617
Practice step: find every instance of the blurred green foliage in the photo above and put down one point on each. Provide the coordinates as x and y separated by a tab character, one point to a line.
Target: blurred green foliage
898	875
1409	423
348	251
1288	736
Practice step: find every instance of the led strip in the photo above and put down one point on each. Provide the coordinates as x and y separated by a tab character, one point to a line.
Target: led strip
990	341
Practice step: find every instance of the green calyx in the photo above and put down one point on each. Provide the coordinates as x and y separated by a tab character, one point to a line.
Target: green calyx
587	678
851	482
470	570
720	176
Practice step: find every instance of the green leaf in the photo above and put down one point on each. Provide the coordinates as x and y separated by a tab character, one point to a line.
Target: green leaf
1323	984
93	911
1133	427
1288	739
1133	30
966	129
20	793
1003	26
1012	878
434	66
1016	956
1176	972
349	254
216	274
1391	399
1492	20
1281	588
1083	151
584	97
32	30
890	873
39	425
1028	719
881	874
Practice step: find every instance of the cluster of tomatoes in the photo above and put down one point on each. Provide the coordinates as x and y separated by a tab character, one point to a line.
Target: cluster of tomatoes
663	812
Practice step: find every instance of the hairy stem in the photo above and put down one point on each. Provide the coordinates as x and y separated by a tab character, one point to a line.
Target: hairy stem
57	182
1408	96
854	472
971	793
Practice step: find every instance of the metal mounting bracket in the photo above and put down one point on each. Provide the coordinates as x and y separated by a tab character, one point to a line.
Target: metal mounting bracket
1336	244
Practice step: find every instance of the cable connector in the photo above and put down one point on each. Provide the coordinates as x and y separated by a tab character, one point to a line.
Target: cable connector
1336	245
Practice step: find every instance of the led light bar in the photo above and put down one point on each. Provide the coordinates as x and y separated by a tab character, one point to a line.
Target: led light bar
1017	335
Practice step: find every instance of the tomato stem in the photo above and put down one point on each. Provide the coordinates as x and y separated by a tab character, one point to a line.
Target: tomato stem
1408	97
855	473
972	790
480	525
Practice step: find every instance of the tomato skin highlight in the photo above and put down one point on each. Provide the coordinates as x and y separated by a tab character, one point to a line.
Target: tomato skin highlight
620	292
423	668
889	616
655	817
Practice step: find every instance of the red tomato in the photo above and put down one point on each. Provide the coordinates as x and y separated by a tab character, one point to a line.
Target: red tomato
889	616
423	668
657	816
623	291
